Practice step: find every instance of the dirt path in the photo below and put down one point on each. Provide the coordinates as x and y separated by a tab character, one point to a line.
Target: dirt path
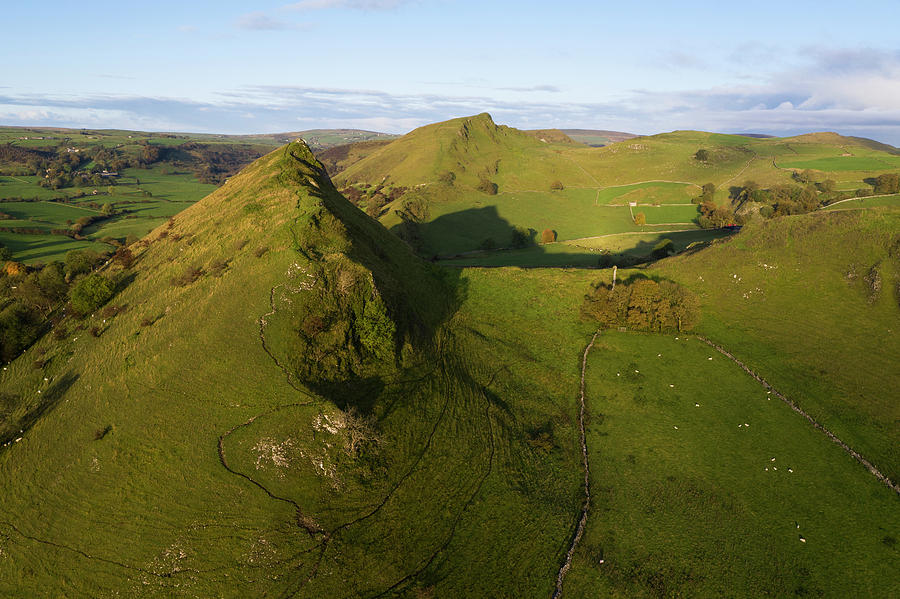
856	456
579	530
569	241
883	195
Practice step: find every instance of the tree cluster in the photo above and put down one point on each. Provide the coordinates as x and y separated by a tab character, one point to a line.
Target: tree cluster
713	216
887	183
643	304
31	296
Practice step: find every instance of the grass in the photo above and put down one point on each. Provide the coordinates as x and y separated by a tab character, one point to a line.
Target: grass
833	347
878	202
588	252
234	459
688	501
669	214
169	194
836	164
171	474
651	172
654	192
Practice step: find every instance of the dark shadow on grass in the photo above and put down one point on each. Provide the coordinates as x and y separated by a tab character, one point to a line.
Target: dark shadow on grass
45	401
501	244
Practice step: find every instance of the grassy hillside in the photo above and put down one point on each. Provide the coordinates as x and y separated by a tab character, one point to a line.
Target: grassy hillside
813	302
286	401
481	182
156	176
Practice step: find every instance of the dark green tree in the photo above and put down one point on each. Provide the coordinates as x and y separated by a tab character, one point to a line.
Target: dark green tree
90	293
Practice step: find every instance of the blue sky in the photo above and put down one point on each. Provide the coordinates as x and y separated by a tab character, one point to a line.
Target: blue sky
391	65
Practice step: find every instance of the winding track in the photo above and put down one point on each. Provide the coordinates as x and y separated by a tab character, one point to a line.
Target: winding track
579	530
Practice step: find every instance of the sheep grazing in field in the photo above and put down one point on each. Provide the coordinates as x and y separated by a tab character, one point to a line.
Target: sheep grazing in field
696	405
675	427
791	470
802	540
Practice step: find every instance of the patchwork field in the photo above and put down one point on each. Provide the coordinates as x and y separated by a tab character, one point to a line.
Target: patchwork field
142	199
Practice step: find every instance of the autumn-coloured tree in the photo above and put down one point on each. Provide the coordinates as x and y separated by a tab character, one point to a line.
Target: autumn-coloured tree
643	304
548	236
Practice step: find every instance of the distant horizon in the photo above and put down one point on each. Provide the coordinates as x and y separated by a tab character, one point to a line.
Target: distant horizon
401	133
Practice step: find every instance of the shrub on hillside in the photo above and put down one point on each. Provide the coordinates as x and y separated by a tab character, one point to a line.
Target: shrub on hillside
90	293
79	262
556	186
487	186
190	275
887	183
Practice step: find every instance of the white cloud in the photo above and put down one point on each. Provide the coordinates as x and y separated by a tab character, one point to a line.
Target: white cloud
854	93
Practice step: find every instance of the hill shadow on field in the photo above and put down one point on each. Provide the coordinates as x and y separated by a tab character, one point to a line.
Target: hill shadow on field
480	237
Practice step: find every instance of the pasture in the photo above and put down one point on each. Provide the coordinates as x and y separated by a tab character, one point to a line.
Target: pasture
704	484
142	198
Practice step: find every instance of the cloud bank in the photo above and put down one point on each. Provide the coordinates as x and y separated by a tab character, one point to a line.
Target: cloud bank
854	93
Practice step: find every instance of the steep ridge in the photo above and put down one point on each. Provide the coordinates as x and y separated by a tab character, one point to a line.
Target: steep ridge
283	405
461	152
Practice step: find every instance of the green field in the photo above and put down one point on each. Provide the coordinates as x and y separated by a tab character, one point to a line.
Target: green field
832	347
144	199
691	501
654	192
446	164
847	163
669	214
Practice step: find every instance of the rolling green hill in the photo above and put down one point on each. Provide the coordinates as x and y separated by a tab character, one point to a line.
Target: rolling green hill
282	400
814	301
481	181
155	175
706	484
285	401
